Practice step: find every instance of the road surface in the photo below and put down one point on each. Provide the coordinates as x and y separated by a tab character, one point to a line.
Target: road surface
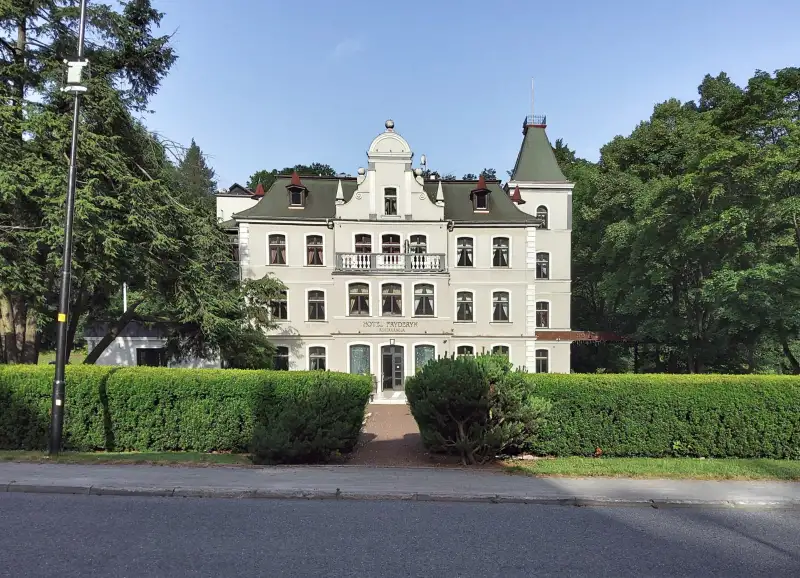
78	536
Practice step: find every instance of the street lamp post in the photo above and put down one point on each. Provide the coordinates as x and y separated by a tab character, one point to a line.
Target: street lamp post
74	86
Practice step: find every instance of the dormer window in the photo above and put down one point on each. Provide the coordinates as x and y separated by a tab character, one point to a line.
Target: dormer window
390	201
297	192
480	197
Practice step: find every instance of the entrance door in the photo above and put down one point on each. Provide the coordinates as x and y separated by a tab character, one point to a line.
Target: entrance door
392	367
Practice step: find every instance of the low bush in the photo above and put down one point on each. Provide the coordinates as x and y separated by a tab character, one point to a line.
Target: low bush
473	407
715	416
311	417
301	416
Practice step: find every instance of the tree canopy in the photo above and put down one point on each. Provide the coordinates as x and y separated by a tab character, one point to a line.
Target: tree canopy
267	177
686	233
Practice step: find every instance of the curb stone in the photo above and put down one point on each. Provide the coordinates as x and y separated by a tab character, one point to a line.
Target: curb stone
338	494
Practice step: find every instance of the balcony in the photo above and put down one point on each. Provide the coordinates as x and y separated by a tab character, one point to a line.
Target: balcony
391	263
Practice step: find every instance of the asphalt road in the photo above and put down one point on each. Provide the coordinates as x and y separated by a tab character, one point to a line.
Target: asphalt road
67	535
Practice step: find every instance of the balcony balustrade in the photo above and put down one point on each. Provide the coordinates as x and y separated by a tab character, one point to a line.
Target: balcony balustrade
391	262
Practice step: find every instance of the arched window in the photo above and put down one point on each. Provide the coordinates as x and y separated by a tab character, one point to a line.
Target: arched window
359	359
542	314
316	305
314	250
542	265
423	300
500	306
464	252
465	306
465	350
390	201
359	299
279	307
391	299
277	249
317	359
422	355
500	248
542	361
280	360
390	244
418	244
541	212
500	350
363	243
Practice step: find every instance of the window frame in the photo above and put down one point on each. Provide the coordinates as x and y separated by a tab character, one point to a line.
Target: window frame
547	265
537	358
432	299
476	200
321	247
470	345
457	302
359	344
369	299
458	252
292	193
423	344
285	248
423	245
396	196
324	304
508	251
356	244
402	298
399	243
549	312
324	348
288	357
286	300
546	225
493	346
494	301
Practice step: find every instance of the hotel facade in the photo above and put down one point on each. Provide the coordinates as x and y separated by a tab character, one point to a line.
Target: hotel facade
389	269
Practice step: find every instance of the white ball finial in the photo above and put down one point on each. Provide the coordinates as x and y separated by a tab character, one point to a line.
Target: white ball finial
361	171
389	124
418	172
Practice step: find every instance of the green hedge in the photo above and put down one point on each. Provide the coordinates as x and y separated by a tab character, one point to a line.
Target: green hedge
157	409
721	416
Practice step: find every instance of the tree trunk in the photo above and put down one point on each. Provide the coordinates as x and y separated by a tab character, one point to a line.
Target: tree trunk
18	330
793	363
113	332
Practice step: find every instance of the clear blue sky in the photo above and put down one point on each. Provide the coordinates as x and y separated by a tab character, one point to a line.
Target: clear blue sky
263	84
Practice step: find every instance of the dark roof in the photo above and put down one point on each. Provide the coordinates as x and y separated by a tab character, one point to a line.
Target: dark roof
236	190
321	201
536	161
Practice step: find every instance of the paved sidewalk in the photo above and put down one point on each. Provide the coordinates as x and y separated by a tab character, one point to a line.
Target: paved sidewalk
353	482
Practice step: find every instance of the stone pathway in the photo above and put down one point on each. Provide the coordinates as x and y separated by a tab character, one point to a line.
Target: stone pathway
390	438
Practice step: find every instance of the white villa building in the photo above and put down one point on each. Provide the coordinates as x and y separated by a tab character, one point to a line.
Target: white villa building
390	269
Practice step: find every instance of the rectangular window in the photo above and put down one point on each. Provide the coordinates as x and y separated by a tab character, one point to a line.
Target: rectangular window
359	299
500	247
542	361
391	299
277	250
481	202
316	305
500	306
541	212
281	360
359	359
151	357
500	350
390	244
422	355
314	250
418	244
278	307
423	300
464	246
363	243
465	310
542	314
316	359
390	201
296	197
465	350
542	265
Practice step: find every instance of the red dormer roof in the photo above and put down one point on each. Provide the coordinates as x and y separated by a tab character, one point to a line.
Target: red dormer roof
481	184
296	182
516	197
259	192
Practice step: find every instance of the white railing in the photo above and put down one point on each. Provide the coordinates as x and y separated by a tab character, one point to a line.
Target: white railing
397	262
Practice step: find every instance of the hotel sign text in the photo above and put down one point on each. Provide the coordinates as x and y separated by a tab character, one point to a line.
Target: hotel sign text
390	326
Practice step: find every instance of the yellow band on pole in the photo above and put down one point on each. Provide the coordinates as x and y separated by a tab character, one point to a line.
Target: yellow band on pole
62	317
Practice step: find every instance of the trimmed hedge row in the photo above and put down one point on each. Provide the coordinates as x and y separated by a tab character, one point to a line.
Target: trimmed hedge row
722	416
302	415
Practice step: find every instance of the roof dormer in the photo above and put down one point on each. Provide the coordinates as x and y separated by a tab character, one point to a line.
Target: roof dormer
258	194
516	196
480	196
297	192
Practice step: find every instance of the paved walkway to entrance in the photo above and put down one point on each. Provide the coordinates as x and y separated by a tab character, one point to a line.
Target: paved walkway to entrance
390	438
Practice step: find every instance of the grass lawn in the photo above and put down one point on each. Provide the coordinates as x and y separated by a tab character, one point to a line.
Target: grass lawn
674	468
76	357
159	458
